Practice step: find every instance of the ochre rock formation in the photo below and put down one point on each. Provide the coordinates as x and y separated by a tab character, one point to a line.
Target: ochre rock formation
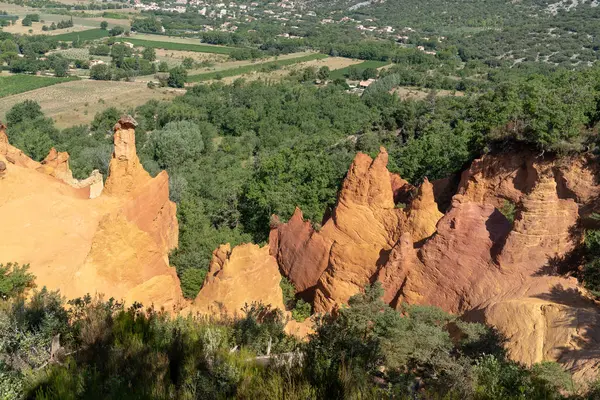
331	265
302	252
494	179
300	329
242	276
56	164
401	188
394	273
125	171
116	243
423	214
480	266
12	154
472	261
340	259
542	229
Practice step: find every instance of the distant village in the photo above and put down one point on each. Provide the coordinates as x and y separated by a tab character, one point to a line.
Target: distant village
289	13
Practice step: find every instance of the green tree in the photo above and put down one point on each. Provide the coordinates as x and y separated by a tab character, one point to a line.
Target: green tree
118	53
116	31
60	66
323	73
188	63
25	111
14	280
101	72
9	46
177	77
163	66
369	73
104	121
33	137
177	143
192	280
309	74
149	54
104	25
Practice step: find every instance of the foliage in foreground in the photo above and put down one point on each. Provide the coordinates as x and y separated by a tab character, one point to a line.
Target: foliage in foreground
367	350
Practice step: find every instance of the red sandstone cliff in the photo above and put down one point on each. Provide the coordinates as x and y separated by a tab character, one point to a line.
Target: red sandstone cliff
79	239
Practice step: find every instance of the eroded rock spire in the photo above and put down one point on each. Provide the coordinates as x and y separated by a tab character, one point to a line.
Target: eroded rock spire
125	171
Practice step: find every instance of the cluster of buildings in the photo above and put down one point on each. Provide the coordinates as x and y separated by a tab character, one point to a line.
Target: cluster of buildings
289	13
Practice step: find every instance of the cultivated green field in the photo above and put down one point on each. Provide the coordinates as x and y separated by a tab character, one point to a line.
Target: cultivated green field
90	34
200	48
341	73
15	84
253	67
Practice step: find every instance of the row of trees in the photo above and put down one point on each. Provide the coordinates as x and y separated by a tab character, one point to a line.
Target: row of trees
64	24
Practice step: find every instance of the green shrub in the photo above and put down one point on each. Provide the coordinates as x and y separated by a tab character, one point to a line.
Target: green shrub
508	210
14	280
590	274
177	77
192	280
591	277
301	311
289	292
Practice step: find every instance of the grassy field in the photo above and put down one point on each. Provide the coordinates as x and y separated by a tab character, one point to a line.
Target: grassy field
253	67
15	84
200	48
340	73
90	34
76	103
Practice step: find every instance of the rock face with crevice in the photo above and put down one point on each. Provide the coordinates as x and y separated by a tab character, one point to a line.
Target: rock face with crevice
79	239
302	252
542	229
480	266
